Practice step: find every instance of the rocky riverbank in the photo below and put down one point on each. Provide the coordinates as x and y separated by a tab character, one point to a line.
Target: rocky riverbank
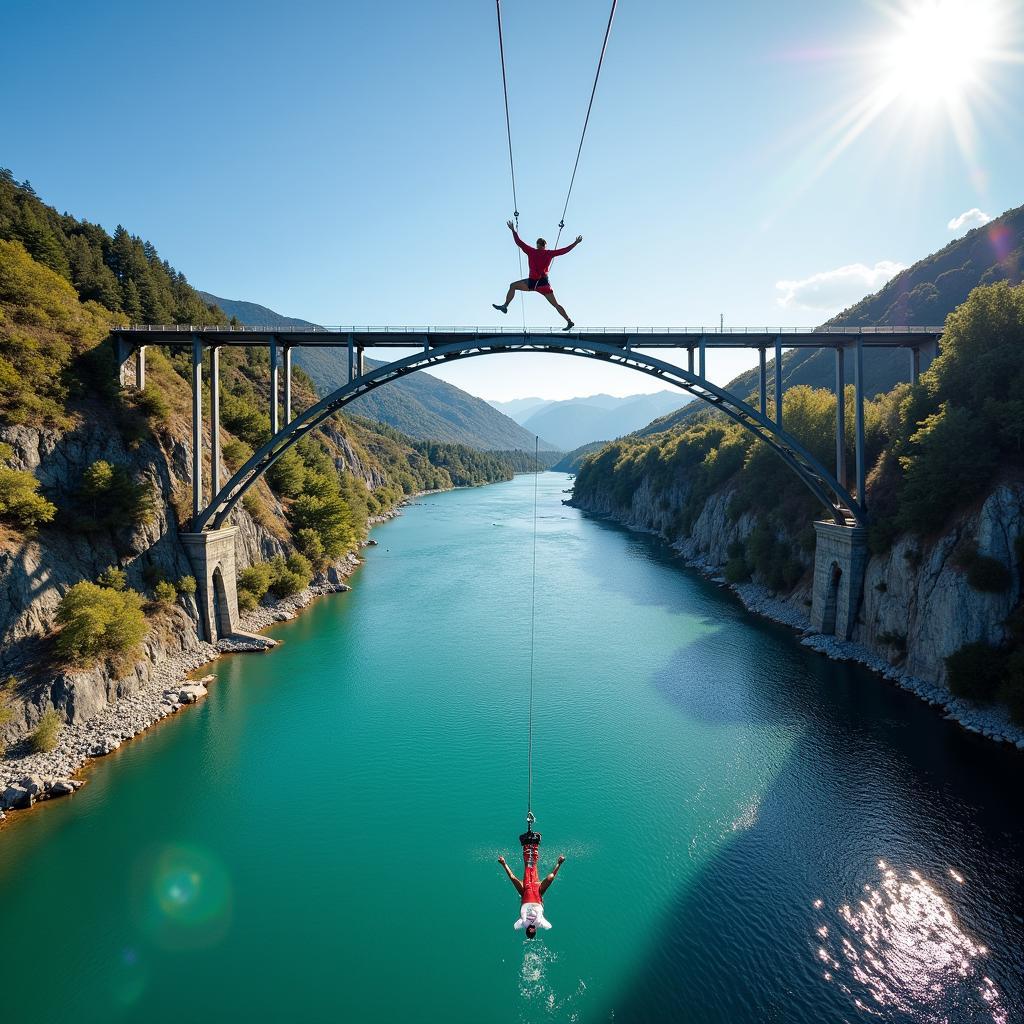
27	778
991	721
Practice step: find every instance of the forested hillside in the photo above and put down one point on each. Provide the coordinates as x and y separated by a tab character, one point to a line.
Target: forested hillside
421	406
922	295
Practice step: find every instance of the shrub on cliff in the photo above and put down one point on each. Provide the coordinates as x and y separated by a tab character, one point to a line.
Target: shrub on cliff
186	586
976	671
113	578
46	734
97	622
165	594
108	498
21	506
290	575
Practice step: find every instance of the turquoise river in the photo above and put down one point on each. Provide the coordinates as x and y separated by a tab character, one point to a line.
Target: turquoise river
752	832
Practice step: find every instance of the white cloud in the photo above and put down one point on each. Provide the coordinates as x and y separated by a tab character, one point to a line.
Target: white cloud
972	218
833	290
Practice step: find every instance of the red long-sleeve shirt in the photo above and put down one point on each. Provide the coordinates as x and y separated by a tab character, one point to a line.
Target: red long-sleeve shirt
539	259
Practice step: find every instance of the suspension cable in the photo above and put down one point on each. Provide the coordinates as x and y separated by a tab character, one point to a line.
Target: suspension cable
533	632
586	121
511	160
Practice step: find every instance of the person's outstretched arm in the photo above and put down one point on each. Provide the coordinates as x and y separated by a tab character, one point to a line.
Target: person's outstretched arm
547	881
567	248
511	877
515	234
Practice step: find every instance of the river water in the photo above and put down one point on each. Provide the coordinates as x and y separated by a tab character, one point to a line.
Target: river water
752	832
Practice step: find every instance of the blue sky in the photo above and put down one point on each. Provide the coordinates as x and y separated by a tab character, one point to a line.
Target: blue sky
345	162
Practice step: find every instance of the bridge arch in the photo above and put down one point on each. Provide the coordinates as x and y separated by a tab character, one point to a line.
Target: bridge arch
826	488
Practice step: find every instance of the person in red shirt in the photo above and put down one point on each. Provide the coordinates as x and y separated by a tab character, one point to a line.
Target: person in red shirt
532	888
539	260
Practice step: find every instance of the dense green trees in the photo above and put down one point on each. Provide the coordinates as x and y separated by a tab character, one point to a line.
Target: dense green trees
122	273
108	498
98	622
935	448
21	506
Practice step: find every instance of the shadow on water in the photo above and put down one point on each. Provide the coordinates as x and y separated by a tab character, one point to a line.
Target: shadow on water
904	894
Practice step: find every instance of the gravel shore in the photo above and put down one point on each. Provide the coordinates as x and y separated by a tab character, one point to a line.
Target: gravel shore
991	721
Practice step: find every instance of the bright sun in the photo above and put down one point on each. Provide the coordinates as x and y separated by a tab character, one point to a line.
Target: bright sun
939	51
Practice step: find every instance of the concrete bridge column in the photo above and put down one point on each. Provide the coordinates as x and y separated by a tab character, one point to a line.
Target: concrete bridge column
212	555
140	367
778	383
840	561
841	415
197	426
214	419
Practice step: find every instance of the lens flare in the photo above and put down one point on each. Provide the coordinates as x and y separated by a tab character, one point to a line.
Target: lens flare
900	948
183	898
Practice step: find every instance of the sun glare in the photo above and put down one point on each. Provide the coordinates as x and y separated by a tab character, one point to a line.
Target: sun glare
939	50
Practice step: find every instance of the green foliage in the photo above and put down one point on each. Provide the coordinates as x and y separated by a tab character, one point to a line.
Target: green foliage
186	586
119	272
236	454
97	621
256	579
287	474
289	575
109	498
165	594
113	578
975	671
21	506
308	541
989	575
247	601
46	734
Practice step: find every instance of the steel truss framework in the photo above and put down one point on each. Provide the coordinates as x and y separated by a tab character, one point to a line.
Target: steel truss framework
449	346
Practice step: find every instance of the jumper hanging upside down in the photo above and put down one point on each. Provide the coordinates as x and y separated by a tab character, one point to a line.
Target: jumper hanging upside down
531	889
539	260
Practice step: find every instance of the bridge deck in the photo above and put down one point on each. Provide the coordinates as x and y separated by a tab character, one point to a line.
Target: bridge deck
633	337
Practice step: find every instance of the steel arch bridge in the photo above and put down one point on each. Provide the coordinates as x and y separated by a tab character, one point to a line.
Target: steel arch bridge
632	349
839	503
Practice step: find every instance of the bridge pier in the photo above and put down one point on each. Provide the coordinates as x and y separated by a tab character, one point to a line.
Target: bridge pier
212	555
840	561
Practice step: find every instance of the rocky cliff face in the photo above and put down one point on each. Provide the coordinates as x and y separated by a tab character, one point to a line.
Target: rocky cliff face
918	605
35	572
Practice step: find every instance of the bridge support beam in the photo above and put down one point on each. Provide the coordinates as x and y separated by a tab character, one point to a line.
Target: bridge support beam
275	387
703	360
858	424
140	367
762	382
197	426
778	383
915	365
840	561
212	555
214	419
123	351
841	415
287	384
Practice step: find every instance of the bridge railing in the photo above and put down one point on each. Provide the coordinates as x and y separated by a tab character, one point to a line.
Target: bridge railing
512	331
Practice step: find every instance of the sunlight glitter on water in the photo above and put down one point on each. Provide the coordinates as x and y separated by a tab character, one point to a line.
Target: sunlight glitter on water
900	948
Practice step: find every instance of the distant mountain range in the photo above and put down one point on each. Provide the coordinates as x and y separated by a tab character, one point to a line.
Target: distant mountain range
420	405
574	422
922	295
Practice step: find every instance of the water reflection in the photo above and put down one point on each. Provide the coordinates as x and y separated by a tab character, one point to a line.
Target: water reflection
900	951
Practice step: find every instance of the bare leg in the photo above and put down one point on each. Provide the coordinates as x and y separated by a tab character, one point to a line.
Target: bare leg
515	286
550	296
